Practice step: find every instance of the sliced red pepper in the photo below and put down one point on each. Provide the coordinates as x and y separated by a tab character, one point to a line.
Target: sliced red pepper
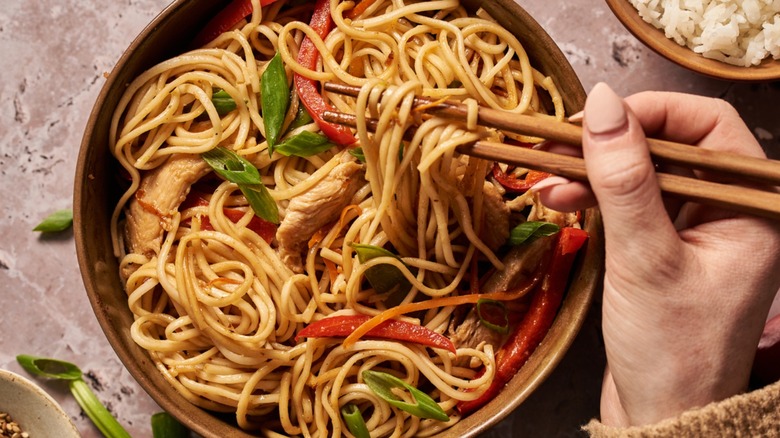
226	19
307	89
266	230
343	326
516	185
541	314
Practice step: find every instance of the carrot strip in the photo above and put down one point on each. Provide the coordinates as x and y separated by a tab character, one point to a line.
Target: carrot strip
434	303
359	8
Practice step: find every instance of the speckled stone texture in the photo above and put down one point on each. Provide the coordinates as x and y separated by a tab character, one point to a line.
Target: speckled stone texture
54	54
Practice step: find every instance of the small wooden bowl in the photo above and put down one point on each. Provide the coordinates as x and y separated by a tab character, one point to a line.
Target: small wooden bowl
95	196
656	40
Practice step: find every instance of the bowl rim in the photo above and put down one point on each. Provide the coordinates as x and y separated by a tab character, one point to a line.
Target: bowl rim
656	40
47	402
545	358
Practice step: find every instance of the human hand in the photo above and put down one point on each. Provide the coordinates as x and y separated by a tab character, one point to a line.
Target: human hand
687	288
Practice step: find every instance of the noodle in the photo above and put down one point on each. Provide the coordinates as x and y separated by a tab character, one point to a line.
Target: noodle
218	303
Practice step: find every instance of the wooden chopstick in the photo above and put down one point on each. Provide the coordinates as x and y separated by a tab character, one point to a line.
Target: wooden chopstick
735	198
739	166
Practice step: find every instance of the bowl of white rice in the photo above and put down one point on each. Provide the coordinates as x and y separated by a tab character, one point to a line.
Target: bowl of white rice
727	39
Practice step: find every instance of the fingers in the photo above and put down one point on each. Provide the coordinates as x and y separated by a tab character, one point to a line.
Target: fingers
622	175
697	120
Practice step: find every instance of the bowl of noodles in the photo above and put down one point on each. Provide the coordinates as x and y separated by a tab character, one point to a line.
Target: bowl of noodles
261	270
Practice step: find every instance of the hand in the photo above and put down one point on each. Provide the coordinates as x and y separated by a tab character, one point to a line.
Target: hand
687	288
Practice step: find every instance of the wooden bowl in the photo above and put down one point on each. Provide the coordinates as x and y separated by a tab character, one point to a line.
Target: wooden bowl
95	196
656	40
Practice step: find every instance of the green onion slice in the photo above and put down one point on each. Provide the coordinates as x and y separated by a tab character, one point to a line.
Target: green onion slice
223	102
60	220
238	170
383	278
275	99
490	311
424	406
304	144
302	117
165	426
529	231
58	369
353	418
261	201
231	166
358	153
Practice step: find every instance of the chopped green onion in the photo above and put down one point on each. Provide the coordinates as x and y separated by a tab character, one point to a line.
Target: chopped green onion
165	426
486	311
51	368
58	369
424	406
383	278
60	220
529	231
238	170
354	421
223	102
304	144
232	166
275	99
358	153
261	201
302	118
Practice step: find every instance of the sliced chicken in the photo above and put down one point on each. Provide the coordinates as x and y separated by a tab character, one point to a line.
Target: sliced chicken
310	211
158	197
495	227
520	263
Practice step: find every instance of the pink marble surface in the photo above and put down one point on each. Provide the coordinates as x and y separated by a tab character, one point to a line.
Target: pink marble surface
54	54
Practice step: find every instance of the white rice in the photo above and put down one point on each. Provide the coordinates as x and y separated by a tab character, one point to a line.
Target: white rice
739	32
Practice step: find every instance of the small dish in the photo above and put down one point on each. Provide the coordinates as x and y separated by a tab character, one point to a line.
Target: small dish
33	409
656	40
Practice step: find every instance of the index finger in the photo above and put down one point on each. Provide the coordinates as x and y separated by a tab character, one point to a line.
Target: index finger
696	120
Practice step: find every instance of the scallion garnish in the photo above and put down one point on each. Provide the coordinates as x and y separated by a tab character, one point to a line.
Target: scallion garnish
358	153
529	231
304	144
223	102
302	118
60	220
238	170
383	278
275	98
165	426
424	406
353	418
493	315
61	370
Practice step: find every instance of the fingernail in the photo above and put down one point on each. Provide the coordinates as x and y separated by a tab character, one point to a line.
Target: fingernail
548	182
604	111
576	117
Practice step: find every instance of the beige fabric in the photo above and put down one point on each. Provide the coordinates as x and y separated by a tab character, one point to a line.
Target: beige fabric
755	414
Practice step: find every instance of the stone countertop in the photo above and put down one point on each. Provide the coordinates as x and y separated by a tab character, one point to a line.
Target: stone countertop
55	54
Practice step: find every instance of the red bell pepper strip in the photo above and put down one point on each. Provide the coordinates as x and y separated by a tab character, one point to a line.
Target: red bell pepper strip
266	230
541	314
226	19
307	90
343	326
515	185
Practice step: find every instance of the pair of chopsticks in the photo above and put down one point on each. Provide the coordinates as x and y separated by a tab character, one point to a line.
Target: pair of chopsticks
763	203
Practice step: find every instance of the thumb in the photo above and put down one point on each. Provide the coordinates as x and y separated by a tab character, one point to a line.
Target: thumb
622	174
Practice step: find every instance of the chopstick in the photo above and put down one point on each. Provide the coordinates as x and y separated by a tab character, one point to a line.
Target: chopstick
740	166
735	198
